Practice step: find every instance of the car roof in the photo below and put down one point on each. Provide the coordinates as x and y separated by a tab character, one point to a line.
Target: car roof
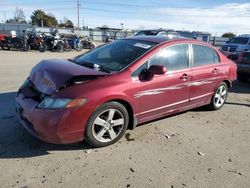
160	39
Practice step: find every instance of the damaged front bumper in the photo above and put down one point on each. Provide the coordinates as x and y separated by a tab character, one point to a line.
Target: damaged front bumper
58	126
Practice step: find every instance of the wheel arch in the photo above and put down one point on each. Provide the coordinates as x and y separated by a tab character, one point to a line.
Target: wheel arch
128	106
229	83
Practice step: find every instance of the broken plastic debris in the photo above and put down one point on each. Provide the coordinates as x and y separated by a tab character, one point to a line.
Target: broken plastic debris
88	151
201	154
167	136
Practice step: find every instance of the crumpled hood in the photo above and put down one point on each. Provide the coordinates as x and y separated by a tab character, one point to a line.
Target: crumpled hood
50	75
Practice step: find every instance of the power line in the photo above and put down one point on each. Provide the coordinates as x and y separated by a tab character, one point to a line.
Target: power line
36	3
58	9
118	11
101	3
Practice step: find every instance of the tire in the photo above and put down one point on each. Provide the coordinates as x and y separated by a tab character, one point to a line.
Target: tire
67	48
219	97
25	48
91	46
42	48
78	47
109	120
5	46
60	47
243	78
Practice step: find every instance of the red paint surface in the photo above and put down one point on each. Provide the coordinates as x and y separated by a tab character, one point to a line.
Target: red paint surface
67	125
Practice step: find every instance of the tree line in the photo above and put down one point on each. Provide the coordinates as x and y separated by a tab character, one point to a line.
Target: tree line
40	18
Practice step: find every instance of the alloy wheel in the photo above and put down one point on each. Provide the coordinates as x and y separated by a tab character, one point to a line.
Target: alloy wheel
220	96
108	125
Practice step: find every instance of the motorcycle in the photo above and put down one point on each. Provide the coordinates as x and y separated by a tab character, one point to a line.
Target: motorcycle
19	43
87	44
66	45
75	43
2	38
36	42
54	44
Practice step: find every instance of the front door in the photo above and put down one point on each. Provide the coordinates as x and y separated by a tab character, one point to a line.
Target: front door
169	92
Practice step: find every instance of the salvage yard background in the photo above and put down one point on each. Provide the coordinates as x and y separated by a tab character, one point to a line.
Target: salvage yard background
192	149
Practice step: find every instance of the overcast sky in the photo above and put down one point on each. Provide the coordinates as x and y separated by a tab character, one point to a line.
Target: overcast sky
216	17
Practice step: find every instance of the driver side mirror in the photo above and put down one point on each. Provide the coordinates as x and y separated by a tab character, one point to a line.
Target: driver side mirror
153	70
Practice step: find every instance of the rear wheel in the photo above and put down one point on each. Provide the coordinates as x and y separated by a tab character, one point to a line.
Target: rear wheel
219	97
91	46
42	48
107	124
5	46
60	46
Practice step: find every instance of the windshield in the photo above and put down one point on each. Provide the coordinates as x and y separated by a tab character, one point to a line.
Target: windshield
239	40
116	55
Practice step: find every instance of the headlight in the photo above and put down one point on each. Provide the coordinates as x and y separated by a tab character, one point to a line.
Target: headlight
61	103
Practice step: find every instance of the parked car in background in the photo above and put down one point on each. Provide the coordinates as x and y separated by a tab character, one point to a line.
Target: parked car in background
243	66
159	32
236	45
98	95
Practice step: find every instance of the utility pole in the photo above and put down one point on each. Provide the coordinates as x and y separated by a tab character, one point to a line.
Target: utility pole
83	21
78	14
4	17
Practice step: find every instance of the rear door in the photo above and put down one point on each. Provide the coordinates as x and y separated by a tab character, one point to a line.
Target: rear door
168	92
207	72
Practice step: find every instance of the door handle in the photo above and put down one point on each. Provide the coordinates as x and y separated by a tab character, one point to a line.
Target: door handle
215	71
184	76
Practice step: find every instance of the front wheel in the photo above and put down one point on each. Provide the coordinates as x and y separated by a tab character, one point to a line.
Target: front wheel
78	47
107	124
25	48
219	97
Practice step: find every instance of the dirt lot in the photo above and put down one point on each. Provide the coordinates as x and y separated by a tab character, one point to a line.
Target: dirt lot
204	149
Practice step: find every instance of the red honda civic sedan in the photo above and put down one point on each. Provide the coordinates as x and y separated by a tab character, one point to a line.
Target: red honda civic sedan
98	95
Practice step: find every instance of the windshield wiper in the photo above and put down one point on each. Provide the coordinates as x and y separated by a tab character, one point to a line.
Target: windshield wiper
71	60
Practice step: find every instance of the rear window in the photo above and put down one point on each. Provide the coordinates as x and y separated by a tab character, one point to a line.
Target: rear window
239	40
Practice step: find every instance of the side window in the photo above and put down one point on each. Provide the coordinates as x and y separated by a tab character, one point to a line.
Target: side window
173	57
139	70
204	55
216	57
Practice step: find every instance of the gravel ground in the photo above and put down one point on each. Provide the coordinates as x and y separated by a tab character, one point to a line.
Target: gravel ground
197	148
